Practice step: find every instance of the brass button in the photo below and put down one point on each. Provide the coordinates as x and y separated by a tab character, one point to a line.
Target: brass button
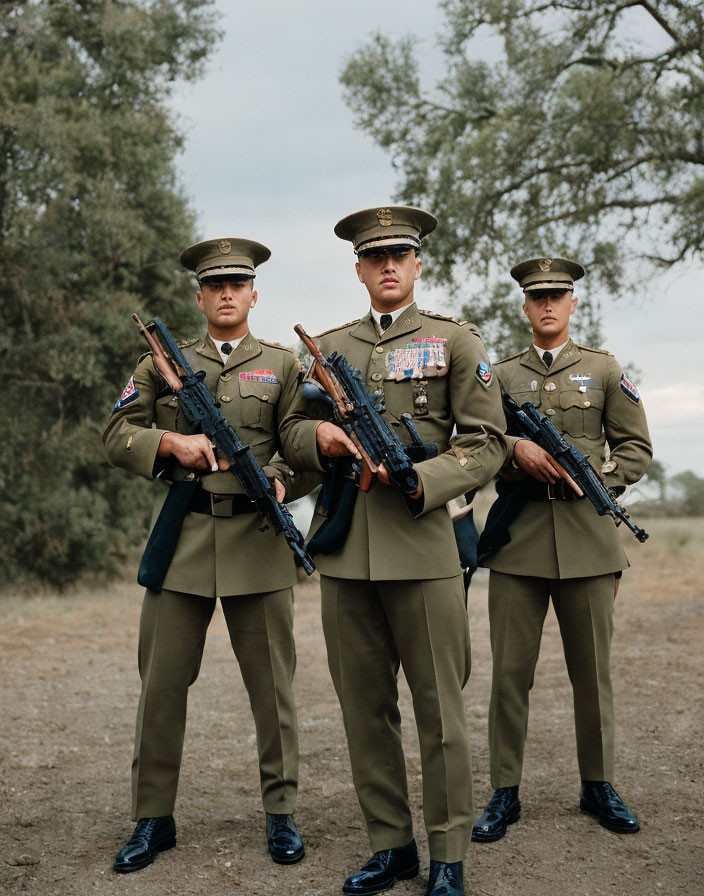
550	387
265	396
550	411
408	320
248	346
224	377
225	398
174	402
378	392
380	349
587	404
376	377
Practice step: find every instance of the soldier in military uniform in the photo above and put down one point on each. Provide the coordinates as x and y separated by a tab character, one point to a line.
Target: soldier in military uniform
221	552
392	593
558	547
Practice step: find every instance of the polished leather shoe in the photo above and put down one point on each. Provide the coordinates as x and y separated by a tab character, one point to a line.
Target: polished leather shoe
503	809
151	836
445	879
383	870
599	798
284	841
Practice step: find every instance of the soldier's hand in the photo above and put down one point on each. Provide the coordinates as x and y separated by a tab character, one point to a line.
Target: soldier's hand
280	490
195	452
333	441
536	461
384	478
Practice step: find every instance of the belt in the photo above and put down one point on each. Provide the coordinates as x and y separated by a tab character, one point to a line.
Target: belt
220	505
547	491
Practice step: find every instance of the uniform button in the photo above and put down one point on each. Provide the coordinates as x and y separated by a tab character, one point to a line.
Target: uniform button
408	320
550	411
550	387
378	392
225	398
265	396
587	404
248	346
376	377
224	377
380	349
173	402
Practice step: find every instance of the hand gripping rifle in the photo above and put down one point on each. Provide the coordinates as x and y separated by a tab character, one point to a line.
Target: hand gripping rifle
360	415
526	422
200	409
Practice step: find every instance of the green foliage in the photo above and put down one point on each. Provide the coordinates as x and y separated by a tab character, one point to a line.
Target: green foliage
92	220
580	141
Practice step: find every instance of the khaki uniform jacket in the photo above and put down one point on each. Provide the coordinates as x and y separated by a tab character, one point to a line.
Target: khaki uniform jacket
582	394
217	556
386	541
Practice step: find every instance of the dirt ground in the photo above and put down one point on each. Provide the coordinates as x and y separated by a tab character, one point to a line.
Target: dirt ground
69	696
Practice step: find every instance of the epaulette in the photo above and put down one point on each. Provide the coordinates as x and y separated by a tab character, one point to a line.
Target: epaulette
511	357
341	327
438	316
599	351
188	343
142	357
284	348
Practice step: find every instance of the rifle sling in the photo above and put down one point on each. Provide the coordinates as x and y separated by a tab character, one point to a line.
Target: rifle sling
163	538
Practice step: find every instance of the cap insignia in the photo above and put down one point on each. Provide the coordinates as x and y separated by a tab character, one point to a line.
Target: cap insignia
384	216
224	246
545	264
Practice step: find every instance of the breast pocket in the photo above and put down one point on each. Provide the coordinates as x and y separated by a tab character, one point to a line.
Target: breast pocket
167	413
582	413
258	403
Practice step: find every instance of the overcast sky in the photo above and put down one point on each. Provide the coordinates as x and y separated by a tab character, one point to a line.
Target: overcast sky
271	155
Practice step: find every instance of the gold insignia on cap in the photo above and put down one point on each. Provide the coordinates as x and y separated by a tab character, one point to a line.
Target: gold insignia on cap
224	246
385	217
545	264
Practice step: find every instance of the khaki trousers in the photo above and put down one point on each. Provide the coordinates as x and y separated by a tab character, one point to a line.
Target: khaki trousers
584	610
370	628
171	640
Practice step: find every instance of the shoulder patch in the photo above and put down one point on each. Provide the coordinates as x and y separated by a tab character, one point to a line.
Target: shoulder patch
598	351
340	327
187	343
448	317
511	357
284	348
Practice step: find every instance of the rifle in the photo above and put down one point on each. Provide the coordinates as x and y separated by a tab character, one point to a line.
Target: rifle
335	380
200	409
526	422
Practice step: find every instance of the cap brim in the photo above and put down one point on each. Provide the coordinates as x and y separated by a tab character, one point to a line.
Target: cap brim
552	285
405	242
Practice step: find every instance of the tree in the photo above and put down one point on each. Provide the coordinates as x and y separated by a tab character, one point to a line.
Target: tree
584	138
92	220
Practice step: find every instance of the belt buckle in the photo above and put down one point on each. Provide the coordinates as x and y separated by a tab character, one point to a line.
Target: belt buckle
220	505
552	496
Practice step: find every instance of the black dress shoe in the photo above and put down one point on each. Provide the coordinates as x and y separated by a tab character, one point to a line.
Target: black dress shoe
502	810
383	870
445	879
283	839
151	836
599	798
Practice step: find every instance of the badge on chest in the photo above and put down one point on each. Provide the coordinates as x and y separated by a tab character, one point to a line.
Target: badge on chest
421	358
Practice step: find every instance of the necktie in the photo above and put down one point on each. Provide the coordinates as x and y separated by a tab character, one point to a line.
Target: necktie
226	348
547	358
385	321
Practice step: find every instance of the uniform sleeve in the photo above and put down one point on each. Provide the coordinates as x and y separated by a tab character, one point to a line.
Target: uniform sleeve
626	429
130	440
297	431
478	449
